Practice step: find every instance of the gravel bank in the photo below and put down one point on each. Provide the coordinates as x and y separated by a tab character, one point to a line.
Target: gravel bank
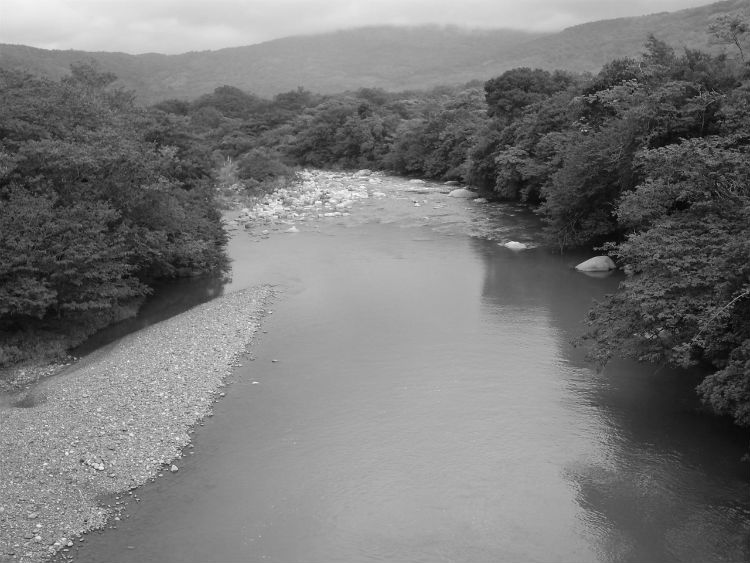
113	421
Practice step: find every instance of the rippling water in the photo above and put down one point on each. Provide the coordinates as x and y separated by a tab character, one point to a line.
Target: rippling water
426	405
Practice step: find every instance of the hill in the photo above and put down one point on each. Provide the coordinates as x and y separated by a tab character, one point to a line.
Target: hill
393	58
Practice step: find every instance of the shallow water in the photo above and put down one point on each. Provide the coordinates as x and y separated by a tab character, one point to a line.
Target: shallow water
416	399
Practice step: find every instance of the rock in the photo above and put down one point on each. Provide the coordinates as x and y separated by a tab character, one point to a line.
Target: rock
462	192
451	183
363	172
515	245
416	181
174	468
292	230
596	264
480	200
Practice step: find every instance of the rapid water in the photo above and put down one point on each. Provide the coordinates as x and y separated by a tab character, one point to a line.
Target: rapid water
416	398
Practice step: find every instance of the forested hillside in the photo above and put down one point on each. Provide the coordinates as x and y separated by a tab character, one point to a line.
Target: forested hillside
391	58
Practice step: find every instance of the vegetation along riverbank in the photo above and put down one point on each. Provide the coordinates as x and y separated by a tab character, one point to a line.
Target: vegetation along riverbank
649	158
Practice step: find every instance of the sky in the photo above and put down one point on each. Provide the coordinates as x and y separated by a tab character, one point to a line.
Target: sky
178	26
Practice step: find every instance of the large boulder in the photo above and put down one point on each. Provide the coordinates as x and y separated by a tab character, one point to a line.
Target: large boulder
462	192
596	264
515	245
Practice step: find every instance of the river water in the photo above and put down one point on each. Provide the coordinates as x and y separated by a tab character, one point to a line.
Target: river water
416	398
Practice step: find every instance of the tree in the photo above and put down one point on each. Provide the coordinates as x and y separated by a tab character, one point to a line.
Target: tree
687	300
60	260
98	198
731	29
508	94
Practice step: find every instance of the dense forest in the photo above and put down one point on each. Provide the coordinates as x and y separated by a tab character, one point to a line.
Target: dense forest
98	199
648	160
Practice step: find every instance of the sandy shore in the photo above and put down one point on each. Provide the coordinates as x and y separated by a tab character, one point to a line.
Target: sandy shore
113	421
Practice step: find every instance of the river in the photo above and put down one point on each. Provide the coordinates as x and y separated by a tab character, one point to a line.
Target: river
416	398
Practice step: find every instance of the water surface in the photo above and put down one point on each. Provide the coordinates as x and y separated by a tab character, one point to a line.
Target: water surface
416	399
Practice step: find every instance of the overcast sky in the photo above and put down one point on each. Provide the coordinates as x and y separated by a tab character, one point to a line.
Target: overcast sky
177	26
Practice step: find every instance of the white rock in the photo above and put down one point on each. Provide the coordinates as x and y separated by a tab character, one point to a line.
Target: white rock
416	181
292	229
480	200
462	192
174	468
515	245
596	264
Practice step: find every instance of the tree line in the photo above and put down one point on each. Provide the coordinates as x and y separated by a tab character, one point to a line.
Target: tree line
98	200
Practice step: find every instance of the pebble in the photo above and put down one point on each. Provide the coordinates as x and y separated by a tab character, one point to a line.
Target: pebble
119	416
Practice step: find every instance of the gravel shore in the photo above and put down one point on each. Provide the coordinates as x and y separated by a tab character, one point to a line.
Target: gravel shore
113	421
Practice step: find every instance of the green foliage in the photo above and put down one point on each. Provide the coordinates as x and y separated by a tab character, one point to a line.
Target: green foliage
688	298
579	199
731	28
97	199
261	165
436	145
59	259
231	102
341	131
727	391
508	94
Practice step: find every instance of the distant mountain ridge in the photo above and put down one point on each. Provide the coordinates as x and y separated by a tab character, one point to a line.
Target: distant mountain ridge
392	58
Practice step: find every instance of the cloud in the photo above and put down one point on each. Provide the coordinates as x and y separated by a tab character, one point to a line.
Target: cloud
173	26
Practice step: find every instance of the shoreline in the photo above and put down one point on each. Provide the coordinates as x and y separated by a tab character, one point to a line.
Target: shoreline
113	420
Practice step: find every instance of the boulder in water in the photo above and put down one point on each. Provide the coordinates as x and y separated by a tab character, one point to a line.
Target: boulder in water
596	264
515	245
462	192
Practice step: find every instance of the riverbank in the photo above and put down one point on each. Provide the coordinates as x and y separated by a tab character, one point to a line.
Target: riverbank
113	421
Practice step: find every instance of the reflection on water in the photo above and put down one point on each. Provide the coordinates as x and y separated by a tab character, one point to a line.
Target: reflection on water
655	483
427	406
